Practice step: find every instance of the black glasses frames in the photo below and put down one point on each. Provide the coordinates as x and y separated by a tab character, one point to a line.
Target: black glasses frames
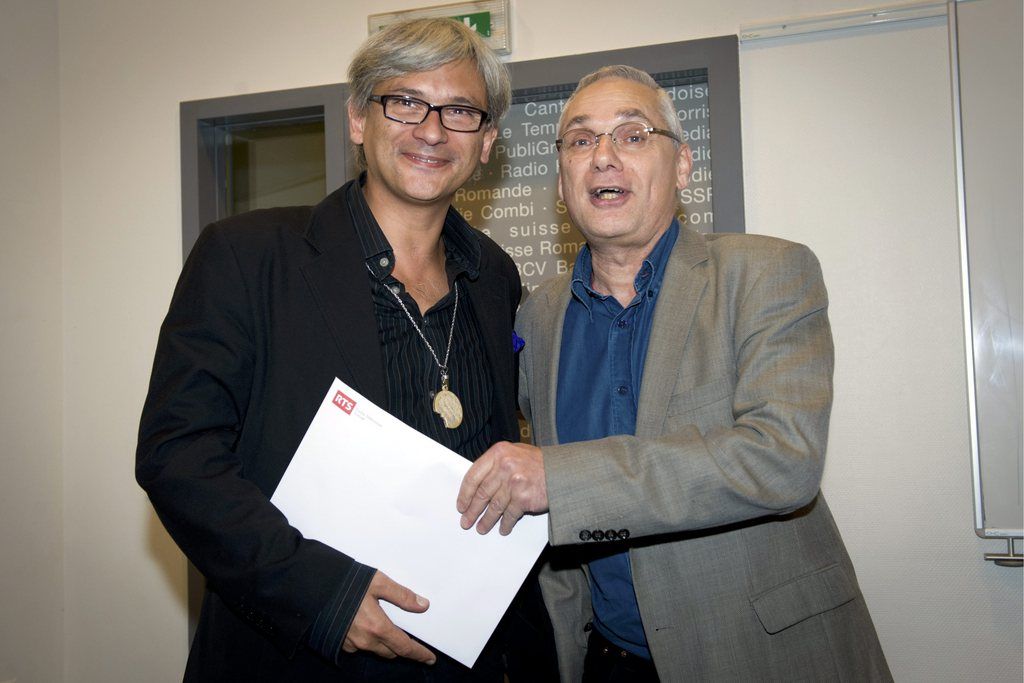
460	118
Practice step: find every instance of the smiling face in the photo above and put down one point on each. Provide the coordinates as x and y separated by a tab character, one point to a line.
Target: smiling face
423	164
621	199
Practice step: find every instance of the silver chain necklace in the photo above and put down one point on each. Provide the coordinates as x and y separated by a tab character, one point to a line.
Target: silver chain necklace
446	403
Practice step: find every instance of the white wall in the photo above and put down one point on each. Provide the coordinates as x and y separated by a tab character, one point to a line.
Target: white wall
840	156
31	592
871	191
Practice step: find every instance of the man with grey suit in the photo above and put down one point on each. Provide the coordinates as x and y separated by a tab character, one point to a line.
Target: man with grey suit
679	387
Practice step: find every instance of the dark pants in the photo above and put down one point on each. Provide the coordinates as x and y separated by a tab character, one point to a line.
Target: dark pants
608	663
368	667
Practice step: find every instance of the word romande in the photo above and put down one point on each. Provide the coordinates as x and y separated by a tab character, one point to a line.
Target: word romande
484	194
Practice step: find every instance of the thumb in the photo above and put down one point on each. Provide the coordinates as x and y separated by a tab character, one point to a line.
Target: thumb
400	596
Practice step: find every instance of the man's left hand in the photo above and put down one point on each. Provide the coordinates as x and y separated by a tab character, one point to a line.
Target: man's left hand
505	483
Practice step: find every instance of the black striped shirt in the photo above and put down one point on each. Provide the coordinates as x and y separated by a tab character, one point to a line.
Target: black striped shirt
411	373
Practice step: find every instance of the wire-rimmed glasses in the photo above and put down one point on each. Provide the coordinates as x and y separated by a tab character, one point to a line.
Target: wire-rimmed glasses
631	136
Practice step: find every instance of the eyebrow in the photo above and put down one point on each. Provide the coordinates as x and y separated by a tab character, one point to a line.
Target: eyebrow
419	94
631	113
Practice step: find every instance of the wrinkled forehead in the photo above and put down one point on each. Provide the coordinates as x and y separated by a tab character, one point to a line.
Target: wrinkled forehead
609	102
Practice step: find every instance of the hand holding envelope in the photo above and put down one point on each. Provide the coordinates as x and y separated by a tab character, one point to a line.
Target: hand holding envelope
371	629
370	486
504	483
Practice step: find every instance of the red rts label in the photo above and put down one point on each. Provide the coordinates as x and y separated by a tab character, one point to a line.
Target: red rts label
344	402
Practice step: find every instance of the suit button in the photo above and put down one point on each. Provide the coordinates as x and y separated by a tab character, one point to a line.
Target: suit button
584	535
623	534
598	535
611	535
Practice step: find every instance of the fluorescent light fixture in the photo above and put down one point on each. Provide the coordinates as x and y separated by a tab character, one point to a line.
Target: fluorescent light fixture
840	20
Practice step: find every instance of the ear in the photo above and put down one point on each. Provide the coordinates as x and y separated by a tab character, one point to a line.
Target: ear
489	136
684	164
356	121
560	195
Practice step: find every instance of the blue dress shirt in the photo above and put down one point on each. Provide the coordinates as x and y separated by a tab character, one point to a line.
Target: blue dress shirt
600	367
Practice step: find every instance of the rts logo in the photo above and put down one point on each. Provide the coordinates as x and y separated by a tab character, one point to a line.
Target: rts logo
344	402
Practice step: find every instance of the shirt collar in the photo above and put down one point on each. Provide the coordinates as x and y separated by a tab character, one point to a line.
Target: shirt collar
461	241
647	281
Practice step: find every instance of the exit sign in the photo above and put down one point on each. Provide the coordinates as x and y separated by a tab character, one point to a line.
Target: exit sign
489	18
478	21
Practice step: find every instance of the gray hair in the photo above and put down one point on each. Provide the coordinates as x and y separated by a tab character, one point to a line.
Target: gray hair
421	45
666	108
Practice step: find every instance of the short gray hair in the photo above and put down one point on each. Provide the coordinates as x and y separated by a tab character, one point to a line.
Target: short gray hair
421	45
666	108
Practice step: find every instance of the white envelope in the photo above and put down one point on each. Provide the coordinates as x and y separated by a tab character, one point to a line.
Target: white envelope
367	484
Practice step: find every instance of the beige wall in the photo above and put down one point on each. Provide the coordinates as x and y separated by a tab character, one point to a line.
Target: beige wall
31	402
870	186
871	190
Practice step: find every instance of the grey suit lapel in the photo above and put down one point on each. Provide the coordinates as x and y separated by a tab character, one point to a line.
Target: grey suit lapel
546	339
681	291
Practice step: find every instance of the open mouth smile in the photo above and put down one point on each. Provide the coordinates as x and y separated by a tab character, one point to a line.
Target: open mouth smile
609	193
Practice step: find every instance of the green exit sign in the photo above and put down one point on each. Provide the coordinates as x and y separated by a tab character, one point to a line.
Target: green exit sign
489	18
478	21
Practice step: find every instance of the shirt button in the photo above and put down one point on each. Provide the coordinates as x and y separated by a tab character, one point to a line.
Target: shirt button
621	391
611	535
597	535
384	261
395	289
585	535
622	323
623	534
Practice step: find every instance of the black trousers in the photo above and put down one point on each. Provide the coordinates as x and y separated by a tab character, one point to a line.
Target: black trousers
608	663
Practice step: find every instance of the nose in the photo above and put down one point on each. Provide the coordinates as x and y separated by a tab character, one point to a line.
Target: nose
430	129
606	154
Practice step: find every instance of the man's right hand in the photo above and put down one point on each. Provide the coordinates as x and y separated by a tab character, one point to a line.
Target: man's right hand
371	629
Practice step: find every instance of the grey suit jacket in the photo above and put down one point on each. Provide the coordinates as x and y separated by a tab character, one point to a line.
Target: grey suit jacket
739	569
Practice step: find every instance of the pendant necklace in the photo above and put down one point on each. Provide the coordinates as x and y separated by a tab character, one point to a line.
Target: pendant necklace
446	403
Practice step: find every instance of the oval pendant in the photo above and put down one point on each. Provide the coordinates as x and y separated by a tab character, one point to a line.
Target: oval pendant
448	406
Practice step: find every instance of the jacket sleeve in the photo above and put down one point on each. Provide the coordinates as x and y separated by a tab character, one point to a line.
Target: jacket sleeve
189	462
750	447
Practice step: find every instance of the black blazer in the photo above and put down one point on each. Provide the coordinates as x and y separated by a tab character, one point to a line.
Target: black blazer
270	307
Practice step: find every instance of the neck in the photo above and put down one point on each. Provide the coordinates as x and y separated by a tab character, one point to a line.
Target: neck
616	266
414	233
410	228
614	274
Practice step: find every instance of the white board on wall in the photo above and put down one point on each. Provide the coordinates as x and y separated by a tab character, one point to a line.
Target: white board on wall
989	55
